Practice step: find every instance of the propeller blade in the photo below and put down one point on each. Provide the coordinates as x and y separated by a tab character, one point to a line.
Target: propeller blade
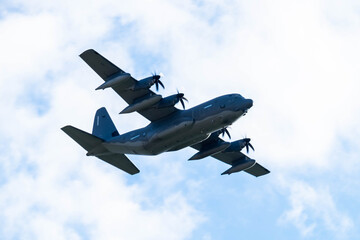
181	98
157	81
182	103
251	147
161	84
227	132
248	144
223	131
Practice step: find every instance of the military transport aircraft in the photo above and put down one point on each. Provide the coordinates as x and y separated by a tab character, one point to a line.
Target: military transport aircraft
170	129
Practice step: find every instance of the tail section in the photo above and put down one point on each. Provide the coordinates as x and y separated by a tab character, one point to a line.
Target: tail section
104	127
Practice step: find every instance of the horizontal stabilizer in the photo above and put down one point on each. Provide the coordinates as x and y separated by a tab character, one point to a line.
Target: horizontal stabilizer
94	147
84	139
120	161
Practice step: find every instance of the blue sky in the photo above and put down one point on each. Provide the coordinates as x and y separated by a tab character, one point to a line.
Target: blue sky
298	61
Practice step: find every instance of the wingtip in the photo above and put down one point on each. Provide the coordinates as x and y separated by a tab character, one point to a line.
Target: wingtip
86	51
135	172
193	158
65	127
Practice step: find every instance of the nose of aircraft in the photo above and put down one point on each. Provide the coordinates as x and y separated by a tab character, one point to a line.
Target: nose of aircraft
244	105
248	103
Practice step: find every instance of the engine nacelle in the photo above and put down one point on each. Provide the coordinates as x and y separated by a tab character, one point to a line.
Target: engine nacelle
236	146
116	80
169	101
142	103
211	150
240	165
144	83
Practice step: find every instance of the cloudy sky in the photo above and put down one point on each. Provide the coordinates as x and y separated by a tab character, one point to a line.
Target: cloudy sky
298	60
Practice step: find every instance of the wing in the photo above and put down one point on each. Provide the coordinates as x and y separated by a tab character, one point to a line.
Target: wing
106	70
237	160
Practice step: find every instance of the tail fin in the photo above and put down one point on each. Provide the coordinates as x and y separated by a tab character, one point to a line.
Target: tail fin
104	127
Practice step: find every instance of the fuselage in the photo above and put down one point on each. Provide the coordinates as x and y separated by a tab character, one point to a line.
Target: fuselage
182	128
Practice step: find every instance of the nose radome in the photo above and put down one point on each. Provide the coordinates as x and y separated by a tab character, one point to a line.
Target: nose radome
249	103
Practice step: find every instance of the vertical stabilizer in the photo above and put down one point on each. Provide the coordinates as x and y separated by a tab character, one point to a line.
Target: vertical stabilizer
104	127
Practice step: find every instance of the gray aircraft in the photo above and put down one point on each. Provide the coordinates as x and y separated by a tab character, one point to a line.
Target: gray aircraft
170	128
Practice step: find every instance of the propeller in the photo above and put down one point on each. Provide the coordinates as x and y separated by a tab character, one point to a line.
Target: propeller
248	144
180	97
156	80
223	131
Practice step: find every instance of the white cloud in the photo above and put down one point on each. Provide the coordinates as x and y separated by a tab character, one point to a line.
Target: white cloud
51	205
313	209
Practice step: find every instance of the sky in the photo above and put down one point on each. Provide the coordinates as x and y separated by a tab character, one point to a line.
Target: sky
298	61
